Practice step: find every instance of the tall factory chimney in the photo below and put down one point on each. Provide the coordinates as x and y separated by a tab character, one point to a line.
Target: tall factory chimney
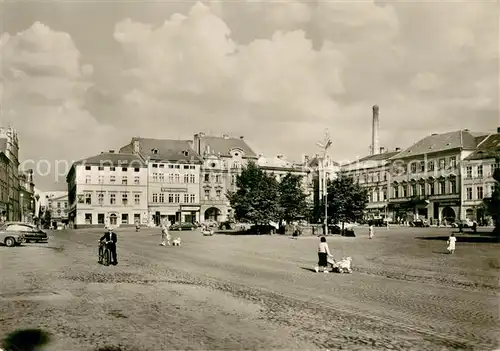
375	142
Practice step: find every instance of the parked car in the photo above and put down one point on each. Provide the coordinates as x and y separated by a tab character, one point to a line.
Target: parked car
182	226
263	229
16	233
420	223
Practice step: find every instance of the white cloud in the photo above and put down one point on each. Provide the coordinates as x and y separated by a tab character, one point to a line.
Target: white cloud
43	84
426	81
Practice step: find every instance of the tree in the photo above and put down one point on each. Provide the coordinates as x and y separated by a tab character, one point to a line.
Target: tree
257	198
346	200
493	203
292	199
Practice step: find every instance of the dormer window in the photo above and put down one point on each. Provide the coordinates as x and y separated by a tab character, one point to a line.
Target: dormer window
154	151
185	153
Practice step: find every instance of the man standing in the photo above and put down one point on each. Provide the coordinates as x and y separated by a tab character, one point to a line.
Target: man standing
111	239
370	231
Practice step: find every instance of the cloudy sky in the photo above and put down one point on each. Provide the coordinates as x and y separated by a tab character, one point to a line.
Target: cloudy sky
85	76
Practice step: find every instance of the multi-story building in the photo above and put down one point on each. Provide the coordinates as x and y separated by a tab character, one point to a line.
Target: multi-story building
10	146
4	185
477	173
27	196
222	160
279	166
173	178
425	179
56	202
108	189
372	172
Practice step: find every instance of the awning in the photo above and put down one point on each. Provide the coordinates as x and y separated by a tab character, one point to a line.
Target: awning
375	206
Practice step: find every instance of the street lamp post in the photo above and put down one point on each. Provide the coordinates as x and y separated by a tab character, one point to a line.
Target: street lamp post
325	145
22	207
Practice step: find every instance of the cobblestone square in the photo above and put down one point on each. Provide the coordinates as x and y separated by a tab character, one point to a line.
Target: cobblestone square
254	292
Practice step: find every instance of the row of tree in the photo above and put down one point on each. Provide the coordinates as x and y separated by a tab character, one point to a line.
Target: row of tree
260	198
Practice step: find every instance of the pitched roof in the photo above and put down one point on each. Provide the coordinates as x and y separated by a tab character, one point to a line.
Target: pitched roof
461	139
167	149
315	162
374	158
224	145
112	159
489	148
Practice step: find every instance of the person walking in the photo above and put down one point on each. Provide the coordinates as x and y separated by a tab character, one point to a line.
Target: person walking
451	243
165	235
370	231
323	254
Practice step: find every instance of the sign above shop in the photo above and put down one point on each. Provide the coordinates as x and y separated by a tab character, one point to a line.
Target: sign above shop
173	190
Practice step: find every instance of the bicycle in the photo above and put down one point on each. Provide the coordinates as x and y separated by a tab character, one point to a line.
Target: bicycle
104	253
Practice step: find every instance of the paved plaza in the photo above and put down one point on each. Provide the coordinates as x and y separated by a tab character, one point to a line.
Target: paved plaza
254	292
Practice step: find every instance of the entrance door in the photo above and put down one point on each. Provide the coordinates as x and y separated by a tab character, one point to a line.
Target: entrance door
157	218
435	213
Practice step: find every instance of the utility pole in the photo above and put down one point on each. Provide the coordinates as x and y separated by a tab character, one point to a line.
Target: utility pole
325	145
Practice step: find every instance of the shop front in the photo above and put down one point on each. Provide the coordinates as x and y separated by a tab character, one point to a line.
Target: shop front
190	213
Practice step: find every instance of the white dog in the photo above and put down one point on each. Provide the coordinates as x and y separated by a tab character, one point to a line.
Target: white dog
342	266
176	242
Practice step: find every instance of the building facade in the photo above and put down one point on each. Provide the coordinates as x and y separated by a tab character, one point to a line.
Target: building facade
425	179
372	173
27	200
9	144
4	186
59	207
478	183
109	189
173	179
222	161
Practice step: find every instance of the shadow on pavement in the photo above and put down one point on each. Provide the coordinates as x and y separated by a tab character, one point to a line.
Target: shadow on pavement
464	239
26	340
441	252
308	269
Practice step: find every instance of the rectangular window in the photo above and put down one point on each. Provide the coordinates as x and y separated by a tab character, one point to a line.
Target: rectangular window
186	166
375	196
469	193
480	171
112	179
413	168
186	198
155	177
137	199
192	178
137	170
137	218
430	166
192	198
112	199
385	194
207	178
396	191
453	186
218	178
155	197
422	166
101	179
170	177
88	218
88	168
442	187
162	198
88	198
385	176
186	178
100	218
112	169
414	190
124	218
162	165
405	191
468	172
124	169
207	194
137	180
442	163
177	178
161	177
124	180
453	162
177	198
170	198
479	191
100	168
422	189
218	194
88	179
100	198
124	199
493	167
171	166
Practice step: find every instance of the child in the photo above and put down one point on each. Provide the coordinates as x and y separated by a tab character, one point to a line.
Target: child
451	243
370	231
323	254
165	235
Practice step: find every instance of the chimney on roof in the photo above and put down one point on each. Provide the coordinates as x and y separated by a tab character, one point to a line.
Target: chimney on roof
398	149
375	126
382	149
